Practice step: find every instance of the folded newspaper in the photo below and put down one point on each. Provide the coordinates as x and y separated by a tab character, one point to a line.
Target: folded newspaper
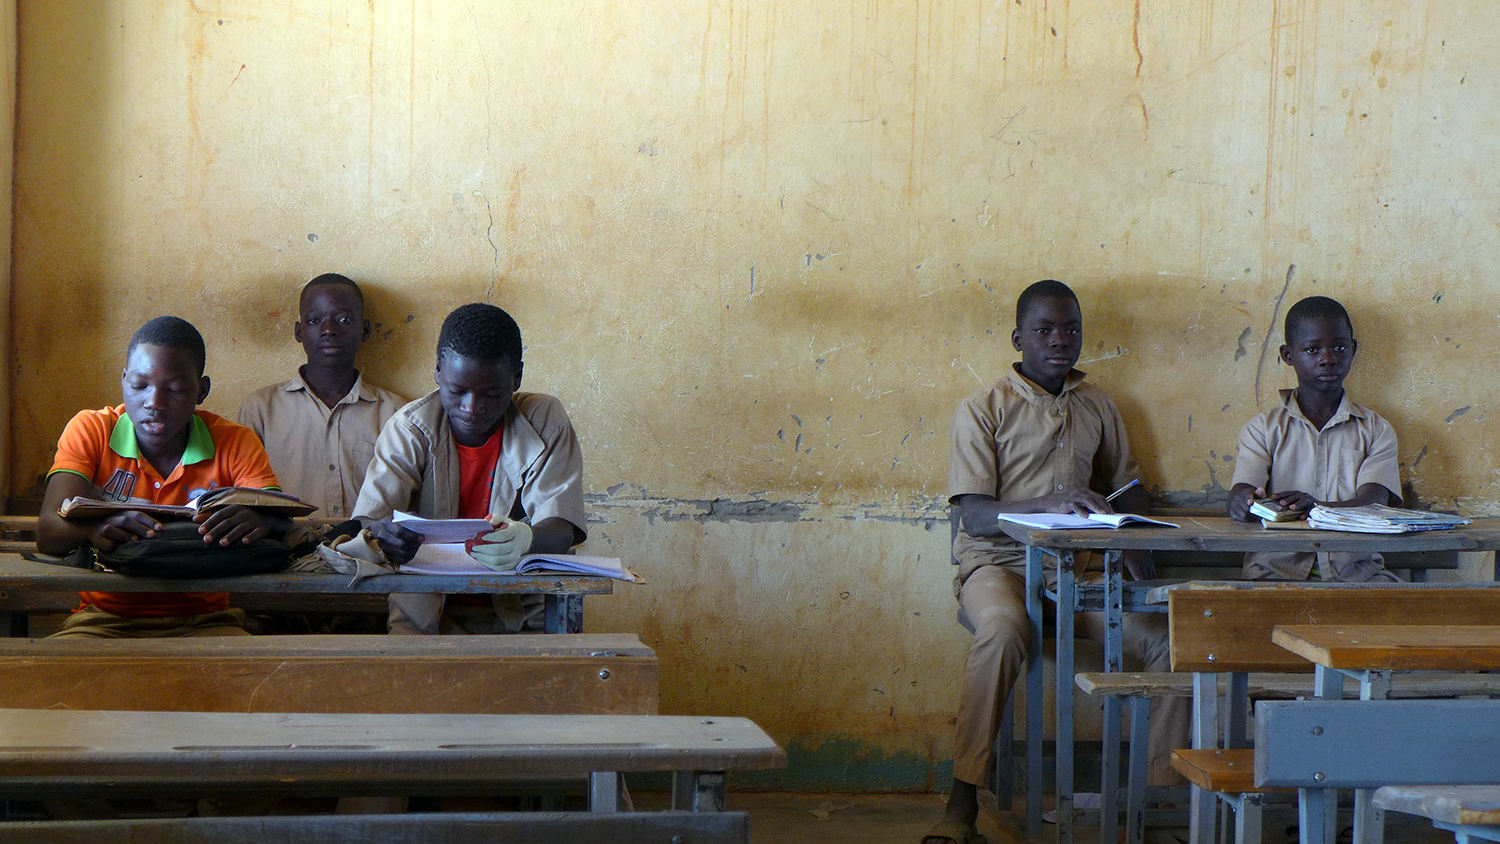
1378	518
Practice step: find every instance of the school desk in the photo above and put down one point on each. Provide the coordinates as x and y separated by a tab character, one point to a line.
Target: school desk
563	593
1113	596
1336	743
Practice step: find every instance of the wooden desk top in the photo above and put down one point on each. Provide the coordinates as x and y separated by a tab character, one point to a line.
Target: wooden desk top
1394	647
18	574
1455	804
81	749
1221	533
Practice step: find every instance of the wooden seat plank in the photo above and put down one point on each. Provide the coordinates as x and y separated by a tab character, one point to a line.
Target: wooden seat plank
1395	647
537	674
1230	629
464	828
1455	804
1226	771
58	751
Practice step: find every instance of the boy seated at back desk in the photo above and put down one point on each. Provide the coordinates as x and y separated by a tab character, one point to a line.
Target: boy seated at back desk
1316	446
1038	440
319	428
476	448
159	448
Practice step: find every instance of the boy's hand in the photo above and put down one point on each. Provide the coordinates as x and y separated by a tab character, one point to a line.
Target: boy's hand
228	525
398	543
502	548
1240	499
1294	499
1079	502
125	526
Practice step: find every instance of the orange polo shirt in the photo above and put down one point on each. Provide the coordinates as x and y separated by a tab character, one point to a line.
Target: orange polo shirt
100	445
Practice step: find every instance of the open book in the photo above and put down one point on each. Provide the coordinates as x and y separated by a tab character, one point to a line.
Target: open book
264	500
1068	521
442	552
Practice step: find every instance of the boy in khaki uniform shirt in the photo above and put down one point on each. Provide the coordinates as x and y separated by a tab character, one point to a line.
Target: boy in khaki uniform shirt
1038	440
319	428
1316	446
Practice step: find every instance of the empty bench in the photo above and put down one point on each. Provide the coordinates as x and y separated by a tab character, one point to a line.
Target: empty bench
69	754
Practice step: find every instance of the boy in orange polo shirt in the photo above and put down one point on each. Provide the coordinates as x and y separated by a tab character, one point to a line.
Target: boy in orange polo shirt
156	447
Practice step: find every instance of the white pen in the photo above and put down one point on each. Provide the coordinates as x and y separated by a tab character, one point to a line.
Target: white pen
1116	494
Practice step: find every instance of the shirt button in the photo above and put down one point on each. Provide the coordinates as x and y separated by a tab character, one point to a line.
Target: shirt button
333	509
1059	446
332	468
157	484
1059	486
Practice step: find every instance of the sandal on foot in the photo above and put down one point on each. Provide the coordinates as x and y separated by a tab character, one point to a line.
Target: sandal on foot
958	833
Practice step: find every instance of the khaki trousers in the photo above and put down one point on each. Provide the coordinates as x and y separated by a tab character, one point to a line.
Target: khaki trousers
994	599
94	623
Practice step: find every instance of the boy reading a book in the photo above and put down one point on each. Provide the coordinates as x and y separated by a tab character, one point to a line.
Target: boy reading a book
156	447
319	428
1038	440
477	448
1316	446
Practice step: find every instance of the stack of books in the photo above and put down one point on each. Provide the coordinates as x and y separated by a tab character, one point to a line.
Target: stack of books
1377	518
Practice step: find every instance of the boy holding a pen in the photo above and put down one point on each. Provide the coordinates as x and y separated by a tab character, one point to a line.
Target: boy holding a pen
1039	440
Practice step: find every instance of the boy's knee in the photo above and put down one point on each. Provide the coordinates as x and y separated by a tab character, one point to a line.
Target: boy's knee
1001	624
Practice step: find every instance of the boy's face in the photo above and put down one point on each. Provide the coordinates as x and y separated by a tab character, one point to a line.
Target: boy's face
161	388
475	394
1049	338
1320	350
331	326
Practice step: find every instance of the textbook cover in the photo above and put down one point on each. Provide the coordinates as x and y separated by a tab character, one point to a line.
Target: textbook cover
1068	521
264	500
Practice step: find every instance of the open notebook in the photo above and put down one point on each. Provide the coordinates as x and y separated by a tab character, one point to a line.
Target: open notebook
442	552
1068	521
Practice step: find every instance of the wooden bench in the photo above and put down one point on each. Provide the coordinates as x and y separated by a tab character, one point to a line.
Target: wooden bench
72	754
1468	811
550	827
1229	631
539	674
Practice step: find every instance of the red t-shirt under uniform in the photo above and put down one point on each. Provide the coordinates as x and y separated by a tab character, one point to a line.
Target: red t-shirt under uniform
476	474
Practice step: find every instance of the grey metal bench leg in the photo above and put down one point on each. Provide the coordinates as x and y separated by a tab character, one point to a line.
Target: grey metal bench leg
1135	788
698	791
1109	784
1247	819
564	613
606	792
1317	808
1205	735
1066	600
1034	557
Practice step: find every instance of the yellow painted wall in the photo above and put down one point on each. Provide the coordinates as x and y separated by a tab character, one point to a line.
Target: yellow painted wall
761	249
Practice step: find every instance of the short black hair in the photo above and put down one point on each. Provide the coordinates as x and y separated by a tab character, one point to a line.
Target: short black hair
481	332
332	280
172	332
1047	288
1314	307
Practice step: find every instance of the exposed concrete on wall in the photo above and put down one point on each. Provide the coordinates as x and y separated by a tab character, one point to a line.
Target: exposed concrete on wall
760	250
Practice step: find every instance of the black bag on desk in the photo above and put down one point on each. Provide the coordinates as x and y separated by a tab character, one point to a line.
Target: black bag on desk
178	552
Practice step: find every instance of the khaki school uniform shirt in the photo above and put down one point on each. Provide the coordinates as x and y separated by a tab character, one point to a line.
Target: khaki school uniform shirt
320	453
1014	441
1280	450
416	464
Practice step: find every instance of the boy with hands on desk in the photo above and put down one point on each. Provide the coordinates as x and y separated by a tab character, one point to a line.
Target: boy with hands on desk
1316	446
156	447
476	448
1038	440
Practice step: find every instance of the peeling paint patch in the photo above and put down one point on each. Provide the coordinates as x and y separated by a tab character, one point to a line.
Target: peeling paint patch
1242	351
1460	412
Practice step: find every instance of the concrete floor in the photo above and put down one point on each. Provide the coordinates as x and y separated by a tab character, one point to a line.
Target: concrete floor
905	818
